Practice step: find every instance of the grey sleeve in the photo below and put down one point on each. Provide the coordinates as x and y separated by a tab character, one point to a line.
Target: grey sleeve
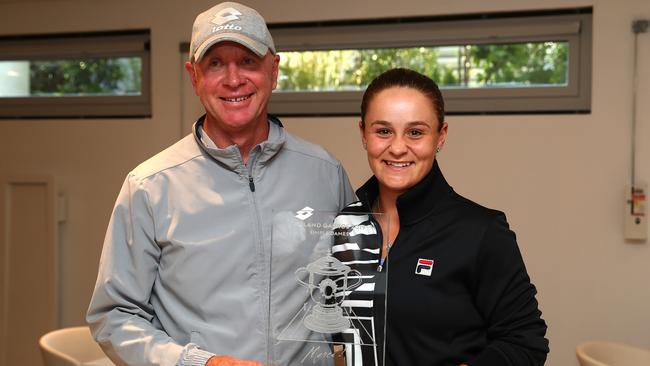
346	193
120	313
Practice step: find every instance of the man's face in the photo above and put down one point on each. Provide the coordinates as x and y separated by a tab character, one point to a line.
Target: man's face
234	85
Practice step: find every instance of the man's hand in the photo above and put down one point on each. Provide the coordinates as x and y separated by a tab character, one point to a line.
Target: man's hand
230	361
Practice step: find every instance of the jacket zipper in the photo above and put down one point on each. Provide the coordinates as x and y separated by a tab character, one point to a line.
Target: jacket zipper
260	234
382	260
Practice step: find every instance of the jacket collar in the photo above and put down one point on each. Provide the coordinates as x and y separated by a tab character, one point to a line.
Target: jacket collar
231	157
416	203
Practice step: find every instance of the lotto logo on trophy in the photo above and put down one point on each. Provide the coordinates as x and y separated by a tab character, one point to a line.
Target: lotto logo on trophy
328	284
327	299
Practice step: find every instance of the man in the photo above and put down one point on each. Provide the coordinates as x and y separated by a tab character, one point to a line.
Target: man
183	278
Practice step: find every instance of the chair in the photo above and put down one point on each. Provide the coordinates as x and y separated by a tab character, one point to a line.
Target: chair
73	346
603	353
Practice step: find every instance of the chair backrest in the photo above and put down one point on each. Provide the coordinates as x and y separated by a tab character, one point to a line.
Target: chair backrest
70	347
603	353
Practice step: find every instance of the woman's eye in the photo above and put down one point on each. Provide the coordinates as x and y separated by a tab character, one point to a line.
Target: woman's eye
383	131
415	133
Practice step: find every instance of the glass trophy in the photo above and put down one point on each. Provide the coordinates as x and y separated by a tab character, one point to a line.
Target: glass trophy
327	289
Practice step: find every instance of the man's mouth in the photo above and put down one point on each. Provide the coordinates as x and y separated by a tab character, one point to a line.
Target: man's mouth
236	99
398	164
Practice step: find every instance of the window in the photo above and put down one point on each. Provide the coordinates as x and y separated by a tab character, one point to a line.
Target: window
75	75
493	63
523	65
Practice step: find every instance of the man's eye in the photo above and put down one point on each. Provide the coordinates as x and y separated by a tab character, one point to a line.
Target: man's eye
248	61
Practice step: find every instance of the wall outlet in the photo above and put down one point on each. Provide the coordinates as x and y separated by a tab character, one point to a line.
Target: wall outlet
636	217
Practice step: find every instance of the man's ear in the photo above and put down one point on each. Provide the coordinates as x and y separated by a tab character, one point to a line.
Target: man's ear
189	66
276	70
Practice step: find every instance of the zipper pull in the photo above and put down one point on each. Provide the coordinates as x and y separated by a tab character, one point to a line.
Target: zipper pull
382	260
380	267
251	185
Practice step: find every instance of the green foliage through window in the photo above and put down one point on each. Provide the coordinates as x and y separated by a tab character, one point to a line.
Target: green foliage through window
466	66
72	77
97	76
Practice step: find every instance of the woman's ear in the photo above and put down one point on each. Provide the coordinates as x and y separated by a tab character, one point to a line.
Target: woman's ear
442	135
362	131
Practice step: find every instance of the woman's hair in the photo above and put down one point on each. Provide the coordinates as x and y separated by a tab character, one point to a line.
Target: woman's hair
405	78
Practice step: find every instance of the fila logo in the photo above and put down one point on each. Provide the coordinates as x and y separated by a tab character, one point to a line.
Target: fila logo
305	213
226	15
424	267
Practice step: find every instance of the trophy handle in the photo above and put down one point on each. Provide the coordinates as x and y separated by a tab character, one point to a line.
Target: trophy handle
298	272
358	279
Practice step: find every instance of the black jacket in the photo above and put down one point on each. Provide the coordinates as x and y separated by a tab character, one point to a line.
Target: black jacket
458	290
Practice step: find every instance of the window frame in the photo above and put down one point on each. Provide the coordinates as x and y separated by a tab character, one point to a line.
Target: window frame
571	25
135	43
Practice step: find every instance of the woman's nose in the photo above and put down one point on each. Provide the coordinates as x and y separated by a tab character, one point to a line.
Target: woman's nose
398	146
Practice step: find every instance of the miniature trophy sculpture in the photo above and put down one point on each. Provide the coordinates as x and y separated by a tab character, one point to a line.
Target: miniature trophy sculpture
326	316
333	310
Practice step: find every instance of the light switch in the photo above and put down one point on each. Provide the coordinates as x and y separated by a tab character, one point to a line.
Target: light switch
636	226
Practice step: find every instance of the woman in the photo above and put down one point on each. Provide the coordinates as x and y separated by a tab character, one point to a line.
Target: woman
458	291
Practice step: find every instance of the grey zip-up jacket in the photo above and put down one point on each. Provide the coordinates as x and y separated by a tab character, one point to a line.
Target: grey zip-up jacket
184	270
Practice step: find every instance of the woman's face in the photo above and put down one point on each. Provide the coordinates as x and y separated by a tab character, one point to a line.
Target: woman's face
401	135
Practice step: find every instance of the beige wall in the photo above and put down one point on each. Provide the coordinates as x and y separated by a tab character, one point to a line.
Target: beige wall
560	178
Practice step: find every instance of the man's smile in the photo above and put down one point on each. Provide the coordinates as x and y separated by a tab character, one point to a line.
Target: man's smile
236	99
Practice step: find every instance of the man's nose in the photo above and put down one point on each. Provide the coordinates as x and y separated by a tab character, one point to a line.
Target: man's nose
233	76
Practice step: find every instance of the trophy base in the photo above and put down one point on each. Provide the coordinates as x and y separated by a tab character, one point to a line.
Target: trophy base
326	319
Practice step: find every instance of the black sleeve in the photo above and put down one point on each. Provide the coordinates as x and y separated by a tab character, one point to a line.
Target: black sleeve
505	297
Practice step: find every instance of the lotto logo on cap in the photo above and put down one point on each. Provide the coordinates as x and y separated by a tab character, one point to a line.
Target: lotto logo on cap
226	15
424	267
230	21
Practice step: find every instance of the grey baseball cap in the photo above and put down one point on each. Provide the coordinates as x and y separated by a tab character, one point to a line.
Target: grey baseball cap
230	21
